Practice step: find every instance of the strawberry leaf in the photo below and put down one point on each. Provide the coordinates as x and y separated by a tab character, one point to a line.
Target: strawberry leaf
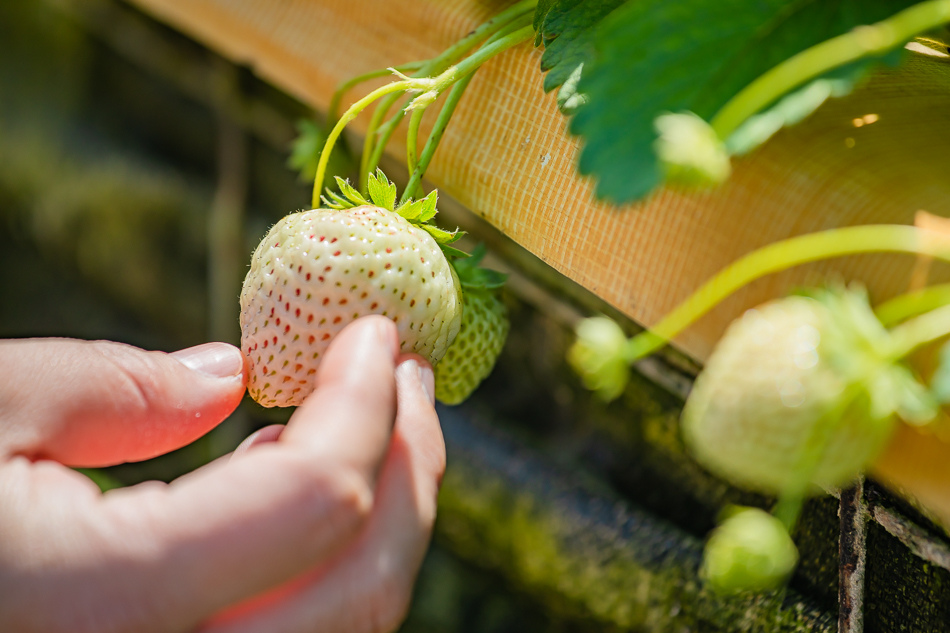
541	12
429	206
441	236
381	191
305	150
334	200
655	56
567	30
411	210
351	194
421	210
452	253
472	276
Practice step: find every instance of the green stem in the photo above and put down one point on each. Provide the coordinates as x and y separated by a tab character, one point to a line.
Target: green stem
828	55
460	75
780	256
926	328
791	499
913	303
366	165
412	140
344	87
415	180
349	115
373	148
471	63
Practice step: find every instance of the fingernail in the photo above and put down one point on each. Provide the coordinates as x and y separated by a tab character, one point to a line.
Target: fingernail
427	378
213	359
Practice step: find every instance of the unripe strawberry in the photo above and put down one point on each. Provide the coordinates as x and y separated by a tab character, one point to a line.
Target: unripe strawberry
471	357
317	271
801	390
750	551
482	336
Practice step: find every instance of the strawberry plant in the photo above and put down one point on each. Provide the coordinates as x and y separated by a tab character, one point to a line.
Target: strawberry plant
359	251
740	69
800	394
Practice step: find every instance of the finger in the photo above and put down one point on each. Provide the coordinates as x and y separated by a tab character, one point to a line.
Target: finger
327	424
239	528
102	403
260	437
368	587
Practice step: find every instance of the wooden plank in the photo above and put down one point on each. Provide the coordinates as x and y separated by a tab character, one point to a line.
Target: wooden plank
507	158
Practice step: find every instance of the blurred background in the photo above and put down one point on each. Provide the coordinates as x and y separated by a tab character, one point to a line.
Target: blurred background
138	170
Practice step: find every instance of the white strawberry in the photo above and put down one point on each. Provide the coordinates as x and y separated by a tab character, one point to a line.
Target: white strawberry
316	271
801	390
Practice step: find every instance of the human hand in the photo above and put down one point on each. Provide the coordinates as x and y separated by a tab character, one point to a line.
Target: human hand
317	526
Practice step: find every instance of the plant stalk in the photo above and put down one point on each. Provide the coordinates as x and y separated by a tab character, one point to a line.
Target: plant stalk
826	56
780	256
349	115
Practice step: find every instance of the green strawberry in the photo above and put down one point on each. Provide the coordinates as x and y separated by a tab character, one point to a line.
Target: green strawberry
316	271
800	391
750	551
481	338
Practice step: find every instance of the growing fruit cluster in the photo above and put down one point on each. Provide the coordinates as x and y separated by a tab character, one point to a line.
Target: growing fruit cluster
800	394
358	251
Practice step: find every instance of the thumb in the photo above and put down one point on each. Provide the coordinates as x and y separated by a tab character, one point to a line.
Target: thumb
102	403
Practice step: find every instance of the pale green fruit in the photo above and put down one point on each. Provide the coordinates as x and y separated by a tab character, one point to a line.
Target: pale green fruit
472	355
750	551
798	383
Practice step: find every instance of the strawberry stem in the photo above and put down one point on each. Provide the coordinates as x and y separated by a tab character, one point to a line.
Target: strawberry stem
435	137
790	501
779	256
337	98
905	306
918	331
373	147
412	140
828	55
459	78
349	115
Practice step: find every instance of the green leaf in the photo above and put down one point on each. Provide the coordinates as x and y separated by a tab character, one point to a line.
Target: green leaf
305	149
420	211
351	194
472	276
472	260
411	210
567	30
381	191
429	206
655	56
540	12
452	252
441	236
334	200
569	100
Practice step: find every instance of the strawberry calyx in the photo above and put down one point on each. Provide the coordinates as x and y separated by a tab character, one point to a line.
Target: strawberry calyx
382	193
861	350
472	276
